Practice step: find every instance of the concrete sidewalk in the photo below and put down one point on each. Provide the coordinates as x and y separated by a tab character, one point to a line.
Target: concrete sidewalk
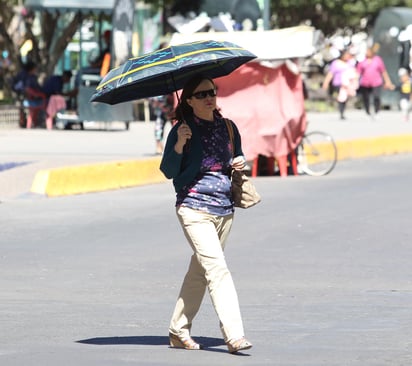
59	162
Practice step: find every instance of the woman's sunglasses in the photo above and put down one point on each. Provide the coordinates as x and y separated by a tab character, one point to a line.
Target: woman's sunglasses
204	93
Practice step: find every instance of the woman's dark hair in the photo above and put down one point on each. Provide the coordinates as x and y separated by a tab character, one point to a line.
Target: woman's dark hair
68	74
183	109
29	66
344	52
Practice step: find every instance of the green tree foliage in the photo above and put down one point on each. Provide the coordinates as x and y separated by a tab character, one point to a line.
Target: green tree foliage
54	38
48	46
329	15
6	15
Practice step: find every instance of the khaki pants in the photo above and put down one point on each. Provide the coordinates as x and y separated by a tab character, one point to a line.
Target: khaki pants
207	235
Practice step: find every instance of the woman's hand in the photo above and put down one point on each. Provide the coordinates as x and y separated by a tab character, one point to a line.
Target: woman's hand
184	133
389	86
238	163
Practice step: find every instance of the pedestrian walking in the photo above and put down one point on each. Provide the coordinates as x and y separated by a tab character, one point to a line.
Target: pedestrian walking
373	77
56	96
405	90
198	156
163	109
339	80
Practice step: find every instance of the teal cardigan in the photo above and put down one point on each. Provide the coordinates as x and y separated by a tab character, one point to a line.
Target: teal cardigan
184	167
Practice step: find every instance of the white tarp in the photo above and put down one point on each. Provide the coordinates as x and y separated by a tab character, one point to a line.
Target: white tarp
278	44
71	5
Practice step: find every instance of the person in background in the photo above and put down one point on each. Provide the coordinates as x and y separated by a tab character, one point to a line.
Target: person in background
333	80
98	65
56	101
163	111
198	156
405	91
27	79
54	85
373	77
349	85
98	61
5	64
27	86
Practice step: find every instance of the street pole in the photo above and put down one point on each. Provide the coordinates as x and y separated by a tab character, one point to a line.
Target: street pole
266	14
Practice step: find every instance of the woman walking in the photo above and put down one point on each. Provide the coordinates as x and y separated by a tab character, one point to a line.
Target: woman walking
373	76
339	80
198	156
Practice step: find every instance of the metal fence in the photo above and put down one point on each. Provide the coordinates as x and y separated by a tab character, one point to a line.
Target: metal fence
9	116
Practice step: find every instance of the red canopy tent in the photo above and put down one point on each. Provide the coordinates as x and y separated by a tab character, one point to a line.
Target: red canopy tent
265	98
268	107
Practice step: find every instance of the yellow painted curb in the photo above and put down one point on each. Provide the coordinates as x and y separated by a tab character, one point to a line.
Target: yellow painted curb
370	147
97	177
107	176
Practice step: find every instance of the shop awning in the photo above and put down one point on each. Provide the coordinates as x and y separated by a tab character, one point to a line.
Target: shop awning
89	6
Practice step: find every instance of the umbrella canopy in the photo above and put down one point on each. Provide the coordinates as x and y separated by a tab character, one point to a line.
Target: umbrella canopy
167	70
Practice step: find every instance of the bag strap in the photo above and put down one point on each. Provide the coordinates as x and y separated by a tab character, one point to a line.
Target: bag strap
231	134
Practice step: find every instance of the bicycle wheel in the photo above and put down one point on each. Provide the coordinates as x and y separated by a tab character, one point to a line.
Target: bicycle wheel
317	153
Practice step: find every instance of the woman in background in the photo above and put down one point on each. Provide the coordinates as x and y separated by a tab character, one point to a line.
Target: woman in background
334	80
373	76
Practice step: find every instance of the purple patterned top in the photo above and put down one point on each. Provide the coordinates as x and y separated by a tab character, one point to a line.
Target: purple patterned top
210	190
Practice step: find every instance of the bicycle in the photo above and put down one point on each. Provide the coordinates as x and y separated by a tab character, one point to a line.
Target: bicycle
317	154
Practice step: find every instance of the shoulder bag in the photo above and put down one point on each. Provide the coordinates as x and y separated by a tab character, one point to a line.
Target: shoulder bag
244	193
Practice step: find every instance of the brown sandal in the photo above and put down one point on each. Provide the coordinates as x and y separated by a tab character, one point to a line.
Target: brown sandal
237	345
186	343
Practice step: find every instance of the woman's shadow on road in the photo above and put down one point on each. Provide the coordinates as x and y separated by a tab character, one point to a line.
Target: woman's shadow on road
207	342
147	341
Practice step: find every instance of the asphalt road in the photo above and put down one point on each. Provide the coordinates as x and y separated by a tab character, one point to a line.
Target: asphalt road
322	267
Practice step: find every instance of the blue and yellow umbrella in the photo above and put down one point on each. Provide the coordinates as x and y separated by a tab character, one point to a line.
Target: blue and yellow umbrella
167	70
